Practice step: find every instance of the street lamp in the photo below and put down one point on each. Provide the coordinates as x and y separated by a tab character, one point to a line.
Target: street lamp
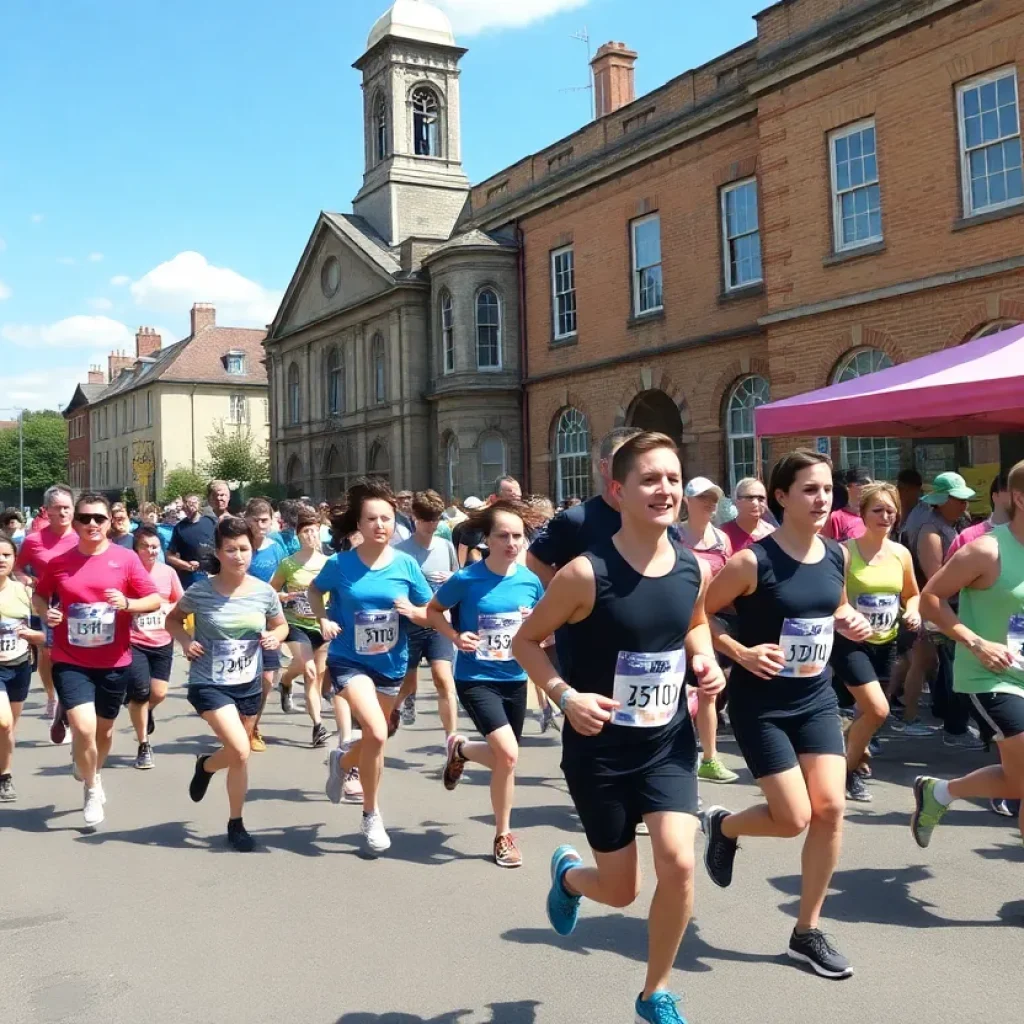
21	454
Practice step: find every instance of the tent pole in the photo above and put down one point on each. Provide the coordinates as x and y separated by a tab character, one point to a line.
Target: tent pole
758	461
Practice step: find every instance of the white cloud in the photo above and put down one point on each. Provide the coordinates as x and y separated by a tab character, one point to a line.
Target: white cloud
5	291
173	286
95	257
48	388
120	280
67	261
95	332
472	16
37	218
100	304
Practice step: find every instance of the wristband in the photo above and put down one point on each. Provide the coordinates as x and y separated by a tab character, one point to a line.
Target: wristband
566	694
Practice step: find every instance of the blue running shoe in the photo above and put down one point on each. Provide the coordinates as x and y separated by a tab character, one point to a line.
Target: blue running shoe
659	1009
563	909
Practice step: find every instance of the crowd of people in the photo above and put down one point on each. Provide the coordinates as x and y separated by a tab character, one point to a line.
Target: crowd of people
646	622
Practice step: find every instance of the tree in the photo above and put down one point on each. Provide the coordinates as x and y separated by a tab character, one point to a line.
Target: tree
181	481
235	455
46	451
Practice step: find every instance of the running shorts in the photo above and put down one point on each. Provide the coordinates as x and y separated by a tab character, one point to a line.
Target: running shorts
207	697
15	680
429	644
342	673
859	664
300	635
493	705
148	663
103	687
773	742
1004	713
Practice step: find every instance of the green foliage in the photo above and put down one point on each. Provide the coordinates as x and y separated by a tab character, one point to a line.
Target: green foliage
181	481
46	451
236	456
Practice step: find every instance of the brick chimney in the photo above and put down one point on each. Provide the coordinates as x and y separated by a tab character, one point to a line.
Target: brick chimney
613	78
203	316
96	376
116	362
147	342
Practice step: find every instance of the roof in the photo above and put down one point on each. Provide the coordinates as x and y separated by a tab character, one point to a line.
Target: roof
358	231
413	19
472	239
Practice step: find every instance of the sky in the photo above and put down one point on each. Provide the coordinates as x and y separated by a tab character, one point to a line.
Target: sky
157	154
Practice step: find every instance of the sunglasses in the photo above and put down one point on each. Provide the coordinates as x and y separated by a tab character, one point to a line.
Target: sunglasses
85	518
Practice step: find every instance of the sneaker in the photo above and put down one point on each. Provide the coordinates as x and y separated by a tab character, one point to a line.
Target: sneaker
99	786
144	758
928	811
454	763
335	775
506	853
352	789
408	713
320	735
856	790
238	838
257	744
150	723
374	834
814	947
394	720
201	779
915	729
659	1009
287	700
563	908
92	809
864	771
547	718
875	746
59	725
719	850
51	709
712	770
1000	807
7	794
965	741
641	829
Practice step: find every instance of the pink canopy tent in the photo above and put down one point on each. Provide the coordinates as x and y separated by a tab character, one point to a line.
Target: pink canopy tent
975	388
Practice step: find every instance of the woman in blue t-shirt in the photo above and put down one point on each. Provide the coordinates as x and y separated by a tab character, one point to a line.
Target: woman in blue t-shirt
493	597
369	649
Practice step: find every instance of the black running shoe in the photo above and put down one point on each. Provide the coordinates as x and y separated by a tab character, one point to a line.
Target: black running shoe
320	735
719	849
815	948
7	793
856	790
238	838
201	779
150	724
287	701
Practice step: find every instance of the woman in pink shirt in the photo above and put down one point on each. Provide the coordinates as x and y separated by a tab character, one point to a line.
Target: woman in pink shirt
845	523
152	646
98	587
750	524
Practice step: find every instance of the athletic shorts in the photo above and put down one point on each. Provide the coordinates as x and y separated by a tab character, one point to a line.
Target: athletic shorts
905	640
859	664
103	687
493	705
148	663
611	806
15	680
429	644
772	742
271	661
1004	712
207	697
342	673
301	635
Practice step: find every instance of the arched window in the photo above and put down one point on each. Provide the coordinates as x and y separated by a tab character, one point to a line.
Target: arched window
746	396
294	477
378	461
447	333
334	479
294	395
378	369
572	456
426	122
451	467
879	455
335	383
380	129
492	460
488	330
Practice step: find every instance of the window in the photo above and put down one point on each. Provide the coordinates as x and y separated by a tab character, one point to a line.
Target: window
492	460
294	395
990	143
447	333
647	296
451	467
488	330
235	363
572	456
131	411
380	128
741	235
266	410
239	411
124	416
425	122
380	379
746	396
378	461
563	290
106	423
335	384
856	196
149	408
880	455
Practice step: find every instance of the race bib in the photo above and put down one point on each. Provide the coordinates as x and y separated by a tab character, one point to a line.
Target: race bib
298	604
881	610
235	662
12	646
496	632
806	645
1015	640
91	625
376	632
151	622
648	688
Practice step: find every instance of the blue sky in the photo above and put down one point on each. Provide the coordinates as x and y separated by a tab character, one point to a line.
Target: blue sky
154	154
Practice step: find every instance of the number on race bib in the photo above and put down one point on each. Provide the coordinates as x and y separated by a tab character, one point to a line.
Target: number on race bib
1015	640
881	610
12	646
806	645
91	625
376	632
151	622
496	632
298	604
648	688
235	662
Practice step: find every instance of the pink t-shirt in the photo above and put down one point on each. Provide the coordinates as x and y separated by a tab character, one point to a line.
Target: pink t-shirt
740	539
844	525
99	635
148	629
39	548
971	533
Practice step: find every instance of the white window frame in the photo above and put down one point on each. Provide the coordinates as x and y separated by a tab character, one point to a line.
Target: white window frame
748	385
839	241
487	479
887	448
977	82
235	359
572	418
568	295
727	239
495	367
238	410
447	332
637	272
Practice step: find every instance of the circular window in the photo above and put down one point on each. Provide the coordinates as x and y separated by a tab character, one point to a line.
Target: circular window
330	276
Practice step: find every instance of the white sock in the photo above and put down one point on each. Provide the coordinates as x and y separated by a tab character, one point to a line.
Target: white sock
942	794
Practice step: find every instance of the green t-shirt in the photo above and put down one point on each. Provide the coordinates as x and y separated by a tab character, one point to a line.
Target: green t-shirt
295	598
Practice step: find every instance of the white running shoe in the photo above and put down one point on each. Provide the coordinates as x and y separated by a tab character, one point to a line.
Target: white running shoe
92	810
335	775
374	835
99	786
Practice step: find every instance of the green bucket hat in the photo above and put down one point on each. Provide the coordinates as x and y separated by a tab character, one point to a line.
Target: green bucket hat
946	486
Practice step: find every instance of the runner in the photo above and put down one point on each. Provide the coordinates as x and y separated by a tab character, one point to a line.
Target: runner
789	594
369	650
192	541
494	597
750	523
542	511
845	523
468	542
633	611
989	634
237	619
1000	501
152	646
12	522
15	659
98	587
287	537
37	549
120	527
879	580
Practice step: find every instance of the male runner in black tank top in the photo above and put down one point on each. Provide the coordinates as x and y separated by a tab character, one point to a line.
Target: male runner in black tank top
634	607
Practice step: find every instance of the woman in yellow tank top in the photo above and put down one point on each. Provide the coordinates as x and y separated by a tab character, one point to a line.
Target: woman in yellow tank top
880	582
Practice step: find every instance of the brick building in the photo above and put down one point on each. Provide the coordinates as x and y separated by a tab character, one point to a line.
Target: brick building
77	416
840	193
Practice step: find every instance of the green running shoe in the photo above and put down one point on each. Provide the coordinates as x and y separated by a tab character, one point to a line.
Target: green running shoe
714	771
928	811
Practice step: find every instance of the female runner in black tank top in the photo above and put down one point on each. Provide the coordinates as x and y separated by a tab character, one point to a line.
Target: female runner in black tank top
790	595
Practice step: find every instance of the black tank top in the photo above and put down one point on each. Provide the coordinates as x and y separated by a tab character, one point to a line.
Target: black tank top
632	613
803	598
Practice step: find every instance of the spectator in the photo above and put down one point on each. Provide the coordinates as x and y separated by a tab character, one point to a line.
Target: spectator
13	524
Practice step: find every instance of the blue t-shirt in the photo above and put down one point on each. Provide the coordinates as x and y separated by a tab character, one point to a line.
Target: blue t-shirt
287	541
491	606
362	602
265	562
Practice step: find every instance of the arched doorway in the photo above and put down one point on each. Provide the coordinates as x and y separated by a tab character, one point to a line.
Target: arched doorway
294	477
654	410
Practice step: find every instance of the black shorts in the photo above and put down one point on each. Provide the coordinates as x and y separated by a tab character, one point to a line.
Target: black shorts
429	644
341	673
271	660
207	697
103	687
15	680
772	742
905	640
859	664
1004	712
301	635
493	705
610	806
148	663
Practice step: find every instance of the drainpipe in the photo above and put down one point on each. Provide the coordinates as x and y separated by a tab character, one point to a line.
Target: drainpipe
192	422
524	362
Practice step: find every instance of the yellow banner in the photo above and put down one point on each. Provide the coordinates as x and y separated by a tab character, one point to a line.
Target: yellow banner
980	478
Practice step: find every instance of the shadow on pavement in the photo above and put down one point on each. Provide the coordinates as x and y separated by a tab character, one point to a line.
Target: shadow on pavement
973	815
35	819
1011	852
559	816
519	1012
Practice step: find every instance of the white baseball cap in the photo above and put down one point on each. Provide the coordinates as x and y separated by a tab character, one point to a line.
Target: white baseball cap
702	485
471	504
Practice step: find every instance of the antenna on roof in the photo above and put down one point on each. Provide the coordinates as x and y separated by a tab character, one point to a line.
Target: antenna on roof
583	36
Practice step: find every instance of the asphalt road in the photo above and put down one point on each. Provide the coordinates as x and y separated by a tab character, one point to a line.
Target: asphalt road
152	919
